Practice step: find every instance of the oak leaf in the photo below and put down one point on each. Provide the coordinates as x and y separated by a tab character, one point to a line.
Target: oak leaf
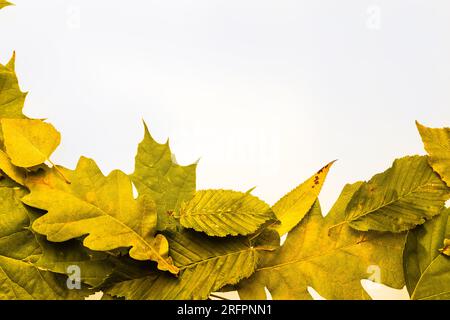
102	209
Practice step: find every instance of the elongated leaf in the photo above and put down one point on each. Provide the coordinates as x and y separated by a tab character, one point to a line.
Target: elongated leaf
437	144
291	209
4	3
333	262
28	142
427	271
13	172
402	197
19	278
156	174
102	208
225	212
206	265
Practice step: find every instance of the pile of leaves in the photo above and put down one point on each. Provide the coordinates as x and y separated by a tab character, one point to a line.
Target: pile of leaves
65	234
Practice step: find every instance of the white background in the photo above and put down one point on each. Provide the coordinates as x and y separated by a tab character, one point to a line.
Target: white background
264	92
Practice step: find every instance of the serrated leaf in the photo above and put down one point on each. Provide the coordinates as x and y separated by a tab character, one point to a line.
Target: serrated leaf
333	262
15	173
29	142
437	144
225	212
166	182
402	197
291	209
103	208
19	278
427	271
206	265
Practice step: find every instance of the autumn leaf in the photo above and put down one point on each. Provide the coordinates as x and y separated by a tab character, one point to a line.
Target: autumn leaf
333	262
12	99
29	142
158	175
19	277
427	270
402	197
13	172
446	249
291	209
225	212
103	208
206	264
4	3
437	144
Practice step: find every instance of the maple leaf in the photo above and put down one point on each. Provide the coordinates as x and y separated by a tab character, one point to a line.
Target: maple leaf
437	144
427	270
103	208
291	208
157	174
12	99
333	262
405	195
19	277
225	212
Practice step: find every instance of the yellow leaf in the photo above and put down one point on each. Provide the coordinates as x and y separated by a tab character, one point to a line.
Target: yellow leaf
291	209
29	142
15	173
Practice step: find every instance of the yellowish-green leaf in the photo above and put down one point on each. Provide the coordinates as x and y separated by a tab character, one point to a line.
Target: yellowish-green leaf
12	99
402	197
103	208
225	212
4	3
207	264
19	278
158	175
427	271
333	262
437	144
28	142
291	209
15	173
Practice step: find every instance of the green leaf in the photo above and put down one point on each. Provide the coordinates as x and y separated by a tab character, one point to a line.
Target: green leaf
103	208
13	172
157	174
225	212
427	271
4	3
402	197
333	262
291	209
19	278
437	144
12	99
207	264
29	142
